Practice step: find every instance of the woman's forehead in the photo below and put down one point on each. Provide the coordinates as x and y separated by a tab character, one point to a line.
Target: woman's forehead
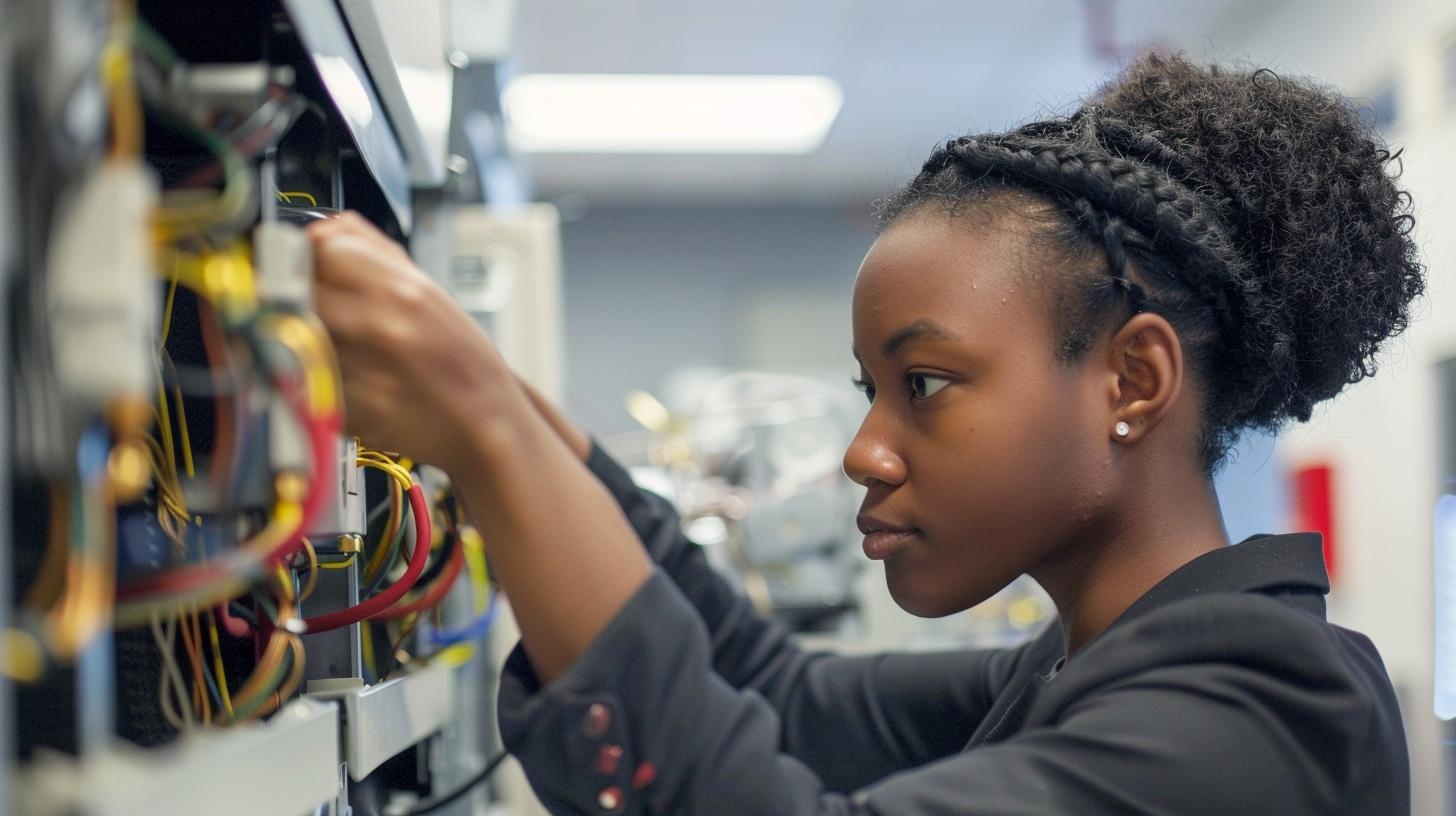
938	269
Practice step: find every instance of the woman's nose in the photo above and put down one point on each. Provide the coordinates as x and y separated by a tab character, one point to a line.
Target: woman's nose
870	457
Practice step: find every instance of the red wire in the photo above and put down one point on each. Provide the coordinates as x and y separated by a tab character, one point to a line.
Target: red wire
433	596
323	438
237	627
322	432
373	606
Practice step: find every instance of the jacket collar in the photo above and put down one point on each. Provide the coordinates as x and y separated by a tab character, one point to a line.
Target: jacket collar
1267	564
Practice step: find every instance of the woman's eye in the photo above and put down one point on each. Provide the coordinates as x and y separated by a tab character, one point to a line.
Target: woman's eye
865	386
924	385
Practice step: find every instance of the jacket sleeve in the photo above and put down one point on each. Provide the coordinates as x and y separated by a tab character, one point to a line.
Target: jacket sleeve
851	720
642	725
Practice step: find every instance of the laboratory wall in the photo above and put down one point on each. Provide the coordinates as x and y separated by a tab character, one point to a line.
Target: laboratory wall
648	290
1381	438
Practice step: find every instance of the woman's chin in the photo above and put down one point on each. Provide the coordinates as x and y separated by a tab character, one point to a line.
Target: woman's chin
929	596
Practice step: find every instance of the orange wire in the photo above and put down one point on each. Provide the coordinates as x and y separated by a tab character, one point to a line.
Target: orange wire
192	641
196	623
396	516
214	344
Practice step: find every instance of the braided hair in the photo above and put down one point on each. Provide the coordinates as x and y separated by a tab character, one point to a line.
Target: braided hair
1258	214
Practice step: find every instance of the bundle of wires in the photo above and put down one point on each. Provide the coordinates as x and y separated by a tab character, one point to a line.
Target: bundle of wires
379	604
80	613
277	674
318	410
486	602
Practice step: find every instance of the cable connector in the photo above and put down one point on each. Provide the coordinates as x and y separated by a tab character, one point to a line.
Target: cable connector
283	259
101	294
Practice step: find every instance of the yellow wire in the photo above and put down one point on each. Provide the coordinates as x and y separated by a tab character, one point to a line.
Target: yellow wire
313	202
337	565
396	517
117	73
313	568
479	570
374	459
217	667
186	437
310	343
224	277
285	581
171	299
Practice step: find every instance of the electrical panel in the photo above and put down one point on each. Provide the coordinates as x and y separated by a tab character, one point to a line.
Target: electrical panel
218	600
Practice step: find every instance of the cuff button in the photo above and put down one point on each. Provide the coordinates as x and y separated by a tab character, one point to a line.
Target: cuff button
609	759
598	719
610	799
645	775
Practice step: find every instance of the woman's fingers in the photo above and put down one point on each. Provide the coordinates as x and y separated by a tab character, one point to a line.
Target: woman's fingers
418	372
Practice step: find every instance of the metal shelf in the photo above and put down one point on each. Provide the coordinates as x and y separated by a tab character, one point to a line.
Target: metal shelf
381	720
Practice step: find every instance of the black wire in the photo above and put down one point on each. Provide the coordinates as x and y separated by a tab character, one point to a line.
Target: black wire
239	610
437	564
452	543
407	522
460	790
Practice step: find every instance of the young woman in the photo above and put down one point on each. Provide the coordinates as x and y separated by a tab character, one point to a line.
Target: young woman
1061	330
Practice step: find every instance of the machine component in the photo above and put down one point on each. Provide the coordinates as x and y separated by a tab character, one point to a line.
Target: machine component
384	719
101	302
333	55
284	263
297	752
342	512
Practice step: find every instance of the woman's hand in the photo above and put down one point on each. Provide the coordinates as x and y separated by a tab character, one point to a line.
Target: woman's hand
420	377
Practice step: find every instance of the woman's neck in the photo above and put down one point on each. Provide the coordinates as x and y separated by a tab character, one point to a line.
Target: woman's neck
1095	579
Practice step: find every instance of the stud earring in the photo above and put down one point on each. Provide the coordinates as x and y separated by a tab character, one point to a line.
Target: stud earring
1122	429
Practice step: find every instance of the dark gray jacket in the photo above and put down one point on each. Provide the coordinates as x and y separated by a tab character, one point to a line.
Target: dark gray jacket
1221	691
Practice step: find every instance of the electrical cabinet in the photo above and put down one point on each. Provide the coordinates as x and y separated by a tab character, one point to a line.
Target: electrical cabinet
217	600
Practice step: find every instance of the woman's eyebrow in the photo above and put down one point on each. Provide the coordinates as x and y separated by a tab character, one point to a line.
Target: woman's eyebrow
923	327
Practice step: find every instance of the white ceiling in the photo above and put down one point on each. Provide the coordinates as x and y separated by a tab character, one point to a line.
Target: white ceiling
913	72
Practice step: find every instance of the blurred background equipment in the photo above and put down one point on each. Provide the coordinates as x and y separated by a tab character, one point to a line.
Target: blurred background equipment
752	461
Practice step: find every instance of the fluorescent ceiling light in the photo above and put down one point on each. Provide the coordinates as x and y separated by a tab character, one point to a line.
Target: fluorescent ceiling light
646	113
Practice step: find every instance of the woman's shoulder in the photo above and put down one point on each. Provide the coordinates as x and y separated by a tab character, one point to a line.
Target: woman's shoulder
1256	655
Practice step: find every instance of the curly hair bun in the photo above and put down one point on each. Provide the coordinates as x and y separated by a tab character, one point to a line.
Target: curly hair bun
1306	192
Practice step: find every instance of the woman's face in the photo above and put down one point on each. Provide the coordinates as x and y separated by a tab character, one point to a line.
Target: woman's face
984	455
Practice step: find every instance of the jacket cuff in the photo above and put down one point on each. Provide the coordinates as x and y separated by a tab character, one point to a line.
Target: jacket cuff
615	477
593	740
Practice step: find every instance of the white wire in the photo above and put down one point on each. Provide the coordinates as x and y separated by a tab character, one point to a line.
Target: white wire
171	677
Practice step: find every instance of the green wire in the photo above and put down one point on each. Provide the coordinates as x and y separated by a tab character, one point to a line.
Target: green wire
155	47
242	710
395	547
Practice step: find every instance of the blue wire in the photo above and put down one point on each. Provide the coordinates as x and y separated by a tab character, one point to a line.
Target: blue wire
474	630
93	450
212	686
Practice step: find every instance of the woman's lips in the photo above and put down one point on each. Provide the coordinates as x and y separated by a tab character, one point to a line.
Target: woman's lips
883	538
882	544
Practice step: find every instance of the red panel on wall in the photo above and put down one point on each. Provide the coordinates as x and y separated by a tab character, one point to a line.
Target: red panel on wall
1314	507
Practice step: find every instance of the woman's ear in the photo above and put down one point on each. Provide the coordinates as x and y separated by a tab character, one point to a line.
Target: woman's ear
1146	360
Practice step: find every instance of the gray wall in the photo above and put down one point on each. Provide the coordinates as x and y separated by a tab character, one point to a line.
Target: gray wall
649	290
